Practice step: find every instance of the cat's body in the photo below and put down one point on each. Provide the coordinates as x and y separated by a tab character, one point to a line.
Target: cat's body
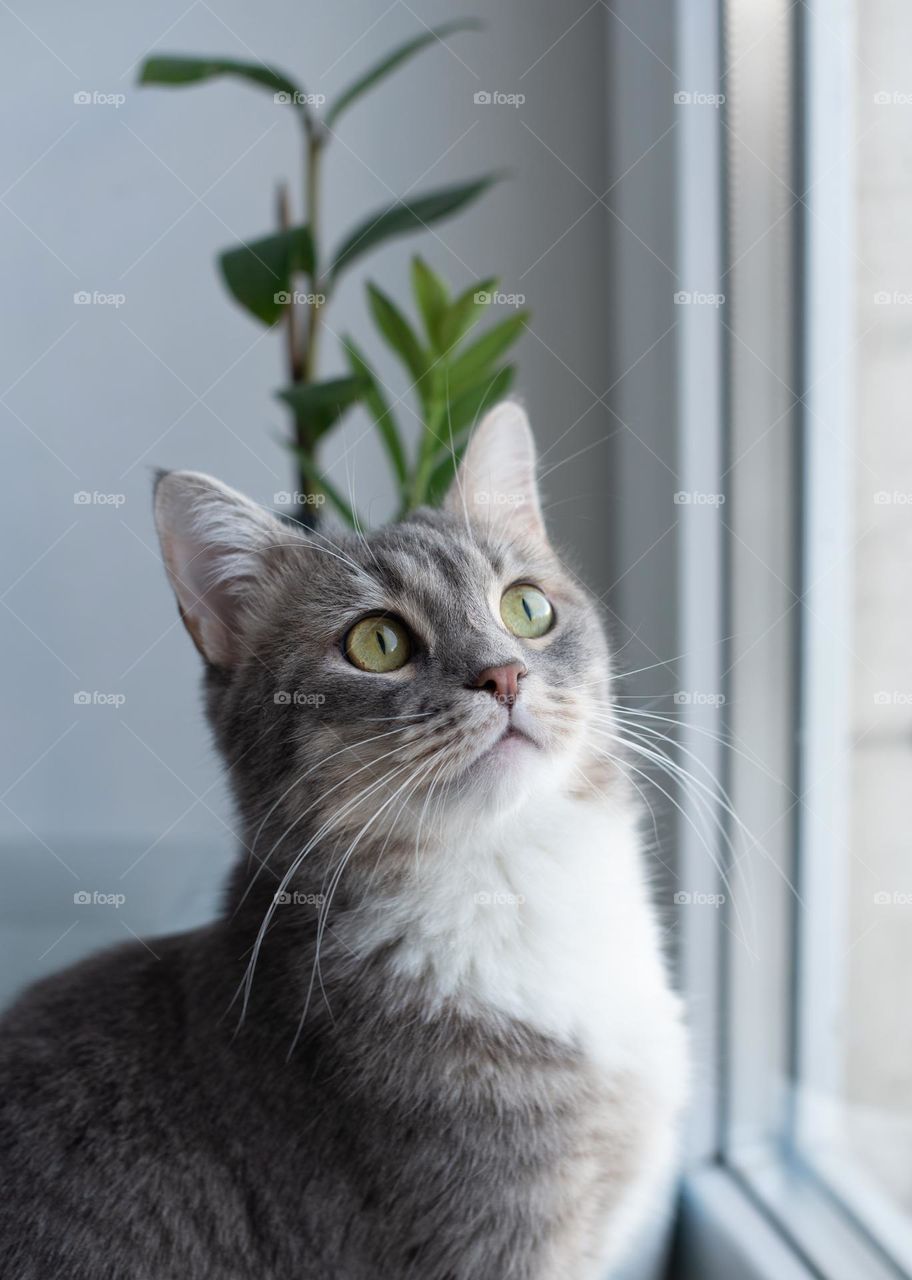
431	1035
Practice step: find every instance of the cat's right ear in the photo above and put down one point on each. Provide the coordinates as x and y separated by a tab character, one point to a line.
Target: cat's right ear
213	541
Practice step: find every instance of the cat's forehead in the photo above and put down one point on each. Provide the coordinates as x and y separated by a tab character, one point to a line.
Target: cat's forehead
435	563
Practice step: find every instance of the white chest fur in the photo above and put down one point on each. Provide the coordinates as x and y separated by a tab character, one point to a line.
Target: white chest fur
544	917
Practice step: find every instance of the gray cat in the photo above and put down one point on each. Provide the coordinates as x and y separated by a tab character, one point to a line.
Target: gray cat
431	1034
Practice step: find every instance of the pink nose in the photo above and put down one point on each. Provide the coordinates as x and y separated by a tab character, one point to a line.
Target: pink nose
501	682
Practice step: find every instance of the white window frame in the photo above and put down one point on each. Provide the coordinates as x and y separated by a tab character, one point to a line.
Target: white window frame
753	1206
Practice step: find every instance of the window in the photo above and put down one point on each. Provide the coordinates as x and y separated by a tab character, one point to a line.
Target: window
802	1138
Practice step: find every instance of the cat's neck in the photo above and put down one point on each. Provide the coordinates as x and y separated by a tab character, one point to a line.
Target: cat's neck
543	917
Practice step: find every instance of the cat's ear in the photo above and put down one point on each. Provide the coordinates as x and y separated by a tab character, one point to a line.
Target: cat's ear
213	541
496	484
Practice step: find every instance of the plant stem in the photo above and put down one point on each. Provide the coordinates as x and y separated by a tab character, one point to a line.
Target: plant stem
313	158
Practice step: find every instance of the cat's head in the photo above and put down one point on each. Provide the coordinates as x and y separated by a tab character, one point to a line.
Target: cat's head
440	669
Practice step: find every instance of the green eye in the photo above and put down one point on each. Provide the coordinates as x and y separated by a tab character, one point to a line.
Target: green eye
378	644
526	612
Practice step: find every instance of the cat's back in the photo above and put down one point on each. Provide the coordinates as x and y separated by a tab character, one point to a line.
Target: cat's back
92	1112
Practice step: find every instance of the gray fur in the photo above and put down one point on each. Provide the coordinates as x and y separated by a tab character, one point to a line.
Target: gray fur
176	1119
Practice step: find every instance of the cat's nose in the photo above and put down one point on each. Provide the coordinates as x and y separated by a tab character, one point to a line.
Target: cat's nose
501	682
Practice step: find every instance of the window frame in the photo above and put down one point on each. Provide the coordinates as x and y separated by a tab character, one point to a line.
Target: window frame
757	1208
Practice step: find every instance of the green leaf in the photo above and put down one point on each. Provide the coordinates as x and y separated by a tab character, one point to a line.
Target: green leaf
320	404
444	471
390	62
312	471
467	408
177	69
259	272
467	368
412	215
433	299
380	411
397	331
464	312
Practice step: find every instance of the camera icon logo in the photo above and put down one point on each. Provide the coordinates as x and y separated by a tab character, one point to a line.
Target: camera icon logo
82	699
282	698
81	98
683	899
282	297
81	898
482	298
282	99
482	98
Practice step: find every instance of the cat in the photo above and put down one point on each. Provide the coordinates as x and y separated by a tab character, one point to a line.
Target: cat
431	1032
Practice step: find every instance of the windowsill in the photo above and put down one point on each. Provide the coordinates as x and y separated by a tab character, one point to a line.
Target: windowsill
766	1221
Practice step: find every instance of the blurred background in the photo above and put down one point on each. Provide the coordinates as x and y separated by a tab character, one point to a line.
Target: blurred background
703	220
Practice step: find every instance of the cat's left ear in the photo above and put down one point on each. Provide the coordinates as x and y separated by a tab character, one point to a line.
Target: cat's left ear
495	485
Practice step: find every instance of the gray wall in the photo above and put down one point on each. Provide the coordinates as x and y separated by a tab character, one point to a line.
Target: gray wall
136	199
